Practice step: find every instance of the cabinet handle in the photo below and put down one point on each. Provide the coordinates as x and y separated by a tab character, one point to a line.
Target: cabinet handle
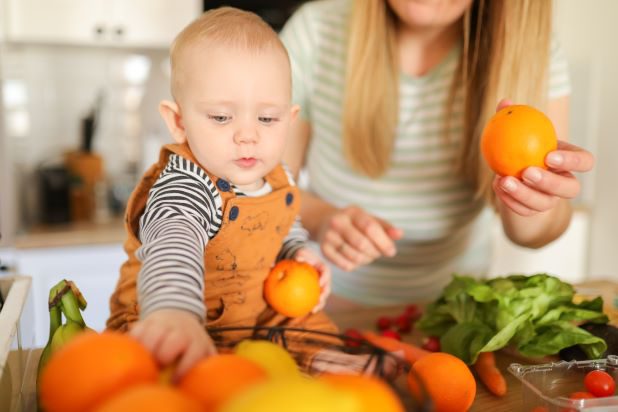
119	31
99	30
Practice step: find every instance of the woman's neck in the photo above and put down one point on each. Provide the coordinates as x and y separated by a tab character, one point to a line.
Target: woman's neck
420	50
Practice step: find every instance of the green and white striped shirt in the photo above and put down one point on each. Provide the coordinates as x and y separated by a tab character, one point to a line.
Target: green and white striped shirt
445	228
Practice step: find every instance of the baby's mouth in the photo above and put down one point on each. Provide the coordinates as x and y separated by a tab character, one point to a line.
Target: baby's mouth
246	162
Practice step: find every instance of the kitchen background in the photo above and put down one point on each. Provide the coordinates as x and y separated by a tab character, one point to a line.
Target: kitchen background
81	81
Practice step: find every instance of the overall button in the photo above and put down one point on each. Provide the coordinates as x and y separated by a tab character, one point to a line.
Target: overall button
223	185
289	198
233	212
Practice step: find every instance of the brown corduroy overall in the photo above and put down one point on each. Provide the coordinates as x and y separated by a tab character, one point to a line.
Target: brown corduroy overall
236	260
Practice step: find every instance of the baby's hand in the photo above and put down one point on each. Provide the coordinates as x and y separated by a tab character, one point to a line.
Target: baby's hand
309	256
173	334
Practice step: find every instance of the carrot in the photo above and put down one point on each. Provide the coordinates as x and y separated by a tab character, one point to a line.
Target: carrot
489	374
411	353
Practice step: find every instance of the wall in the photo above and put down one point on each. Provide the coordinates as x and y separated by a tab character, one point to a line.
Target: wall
51	88
588	32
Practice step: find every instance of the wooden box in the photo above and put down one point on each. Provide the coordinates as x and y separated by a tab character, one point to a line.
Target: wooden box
14	360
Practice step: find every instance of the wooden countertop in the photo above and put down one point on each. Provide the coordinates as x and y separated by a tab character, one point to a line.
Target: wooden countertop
364	319
72	234
484	401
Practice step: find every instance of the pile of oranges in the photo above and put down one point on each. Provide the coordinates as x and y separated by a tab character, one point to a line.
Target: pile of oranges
113	372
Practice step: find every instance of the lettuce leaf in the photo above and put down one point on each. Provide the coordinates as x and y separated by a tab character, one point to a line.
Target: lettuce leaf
536	314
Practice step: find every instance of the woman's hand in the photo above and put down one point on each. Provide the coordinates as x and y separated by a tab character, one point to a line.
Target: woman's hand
309	256
540	190
351	237
174	335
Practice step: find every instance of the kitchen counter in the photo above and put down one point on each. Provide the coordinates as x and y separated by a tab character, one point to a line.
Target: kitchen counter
365	319
484	401
72	234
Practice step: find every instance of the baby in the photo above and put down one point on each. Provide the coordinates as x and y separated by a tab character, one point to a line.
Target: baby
208	221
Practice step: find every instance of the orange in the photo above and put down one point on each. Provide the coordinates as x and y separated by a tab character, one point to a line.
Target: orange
216	379
517	137
374	394
448	380
150	398
93	367
292	288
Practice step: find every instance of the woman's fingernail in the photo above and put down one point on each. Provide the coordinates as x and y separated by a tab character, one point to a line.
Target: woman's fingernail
555	159
532	175
509	185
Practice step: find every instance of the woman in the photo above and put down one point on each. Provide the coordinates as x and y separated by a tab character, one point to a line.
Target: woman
394	95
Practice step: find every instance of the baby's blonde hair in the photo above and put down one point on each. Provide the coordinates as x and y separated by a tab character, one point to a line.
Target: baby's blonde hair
227	27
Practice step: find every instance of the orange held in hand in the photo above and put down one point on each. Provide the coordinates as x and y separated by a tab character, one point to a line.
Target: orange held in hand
292	288
517	137
448	380
92	368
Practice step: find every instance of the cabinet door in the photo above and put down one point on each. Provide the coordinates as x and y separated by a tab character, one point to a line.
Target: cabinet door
151	23
130	23
56	21
94	269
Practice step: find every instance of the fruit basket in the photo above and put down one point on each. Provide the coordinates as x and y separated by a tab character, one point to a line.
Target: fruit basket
352	355
546	387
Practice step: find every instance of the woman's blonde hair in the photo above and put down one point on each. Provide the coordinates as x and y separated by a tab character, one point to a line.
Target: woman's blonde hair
224	26
505	53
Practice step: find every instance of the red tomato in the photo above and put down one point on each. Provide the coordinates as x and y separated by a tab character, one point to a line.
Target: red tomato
600	383
581	395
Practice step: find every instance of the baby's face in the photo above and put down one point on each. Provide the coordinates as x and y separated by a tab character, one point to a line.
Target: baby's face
236	110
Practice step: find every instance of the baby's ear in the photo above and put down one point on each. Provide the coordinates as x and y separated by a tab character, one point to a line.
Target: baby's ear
294	112
170	112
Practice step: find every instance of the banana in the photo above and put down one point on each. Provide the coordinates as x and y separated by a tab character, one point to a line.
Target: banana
64	334
64	299
55	320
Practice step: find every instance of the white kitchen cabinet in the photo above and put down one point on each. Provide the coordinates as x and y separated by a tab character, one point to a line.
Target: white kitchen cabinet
94	269
117	23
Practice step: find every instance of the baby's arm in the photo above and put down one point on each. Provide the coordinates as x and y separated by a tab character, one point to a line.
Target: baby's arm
174	335
174	230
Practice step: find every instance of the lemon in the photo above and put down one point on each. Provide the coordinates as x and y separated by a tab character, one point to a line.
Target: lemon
275	359
298	395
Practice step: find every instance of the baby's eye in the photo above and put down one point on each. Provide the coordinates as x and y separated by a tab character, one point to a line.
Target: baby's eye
219	118
268	119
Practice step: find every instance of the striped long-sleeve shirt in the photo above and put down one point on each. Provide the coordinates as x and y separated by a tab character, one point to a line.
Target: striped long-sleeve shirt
184	211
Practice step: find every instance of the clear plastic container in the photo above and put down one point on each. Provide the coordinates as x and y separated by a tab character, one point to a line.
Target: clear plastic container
546	387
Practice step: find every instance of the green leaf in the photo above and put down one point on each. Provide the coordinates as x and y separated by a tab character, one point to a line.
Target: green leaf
465	340
551	339
534	313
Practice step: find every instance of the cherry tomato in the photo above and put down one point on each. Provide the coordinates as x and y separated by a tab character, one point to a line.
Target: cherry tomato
600	383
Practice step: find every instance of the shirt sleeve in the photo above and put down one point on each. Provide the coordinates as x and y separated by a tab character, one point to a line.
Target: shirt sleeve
299	39
174	231
559	80
297	236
